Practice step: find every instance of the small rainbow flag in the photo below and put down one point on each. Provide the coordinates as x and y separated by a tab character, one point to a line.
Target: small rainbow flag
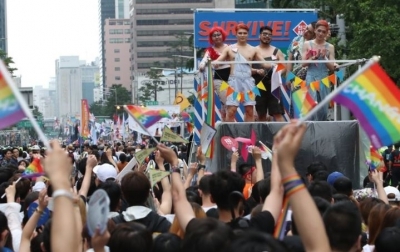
185	116
302	102
374	100
376	160
10	109
35	169
144	116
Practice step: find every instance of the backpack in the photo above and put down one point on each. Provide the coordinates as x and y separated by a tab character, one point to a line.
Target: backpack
154	222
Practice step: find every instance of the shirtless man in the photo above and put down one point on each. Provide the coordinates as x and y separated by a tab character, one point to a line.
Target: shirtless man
240	76
267	102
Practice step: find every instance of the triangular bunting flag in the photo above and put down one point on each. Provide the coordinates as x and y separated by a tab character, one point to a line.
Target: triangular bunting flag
229	91
290	76
224	86
170	136
239	96
325	81
256	91
261	86
143	154
280	67
340	74
246	97
204	96
156	176
182	101
235	95
332	78
303	84
205	84
297	81
314	86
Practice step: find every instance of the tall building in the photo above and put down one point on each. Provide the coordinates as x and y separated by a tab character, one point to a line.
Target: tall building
117	42
155	25
106	10
90	80
68	86
121	9
3	26
44	99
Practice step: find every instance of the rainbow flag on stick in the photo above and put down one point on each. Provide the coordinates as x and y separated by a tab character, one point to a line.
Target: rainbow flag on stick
374	100
376	161
13	106
302	102
144	116
35	169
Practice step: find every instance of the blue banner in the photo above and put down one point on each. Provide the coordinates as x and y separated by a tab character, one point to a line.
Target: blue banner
285	25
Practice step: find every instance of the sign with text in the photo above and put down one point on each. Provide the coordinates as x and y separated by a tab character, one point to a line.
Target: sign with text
285	25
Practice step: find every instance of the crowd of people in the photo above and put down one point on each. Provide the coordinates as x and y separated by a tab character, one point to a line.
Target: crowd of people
238	208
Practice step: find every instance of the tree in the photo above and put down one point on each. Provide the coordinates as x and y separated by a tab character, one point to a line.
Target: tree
36	113
281	4
116	95
151	87
7	61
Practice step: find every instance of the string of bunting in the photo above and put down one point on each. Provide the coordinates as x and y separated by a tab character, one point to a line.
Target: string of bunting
315	85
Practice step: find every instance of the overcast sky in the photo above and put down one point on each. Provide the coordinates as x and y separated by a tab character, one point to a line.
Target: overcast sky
41	31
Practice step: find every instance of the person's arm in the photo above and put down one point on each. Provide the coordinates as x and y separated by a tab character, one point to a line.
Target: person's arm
203	62
331	65
30	226
111	159
201	159
258	57
192	172
12	213
289	66
63	230
90	164
166	198
308	220
377	178
224	55
183	209
185	168
234	159
259	168
273	202
306	54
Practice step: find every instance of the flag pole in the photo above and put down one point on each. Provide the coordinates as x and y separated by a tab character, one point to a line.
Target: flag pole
22	103
329	97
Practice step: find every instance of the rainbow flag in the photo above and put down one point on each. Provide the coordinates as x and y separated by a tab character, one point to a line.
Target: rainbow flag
144	116
185	116
376	161
10	109
35	169
374	100
302	102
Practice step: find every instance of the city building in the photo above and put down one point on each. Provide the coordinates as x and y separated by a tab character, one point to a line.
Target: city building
44	99
160	29
68	86
3	26
121	9
90	80
266	4
106	10
117	42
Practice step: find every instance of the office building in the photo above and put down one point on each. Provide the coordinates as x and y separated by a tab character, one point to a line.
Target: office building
106	10
121	9
44	99
117	42
90	80
3	25
68	86
155	25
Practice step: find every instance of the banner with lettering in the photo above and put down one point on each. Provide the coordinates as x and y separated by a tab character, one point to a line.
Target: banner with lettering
285	25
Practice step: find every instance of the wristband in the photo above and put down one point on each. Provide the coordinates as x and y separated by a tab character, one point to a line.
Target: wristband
292	184
39	211
62	193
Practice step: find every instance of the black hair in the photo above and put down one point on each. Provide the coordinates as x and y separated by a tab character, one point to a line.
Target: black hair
343	225
343	185
113	191
256	241
3	227
388	240
167	242
204	184
321	189
316	166
222	184
122	157
321	175
339	197
263	28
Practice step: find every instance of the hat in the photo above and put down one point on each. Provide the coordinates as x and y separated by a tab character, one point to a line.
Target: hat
38	186
35	147
394	191
333	176
105	171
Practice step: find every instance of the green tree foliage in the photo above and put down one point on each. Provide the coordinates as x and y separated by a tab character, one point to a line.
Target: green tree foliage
281	3
36	113
115	96
8	61
150	89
